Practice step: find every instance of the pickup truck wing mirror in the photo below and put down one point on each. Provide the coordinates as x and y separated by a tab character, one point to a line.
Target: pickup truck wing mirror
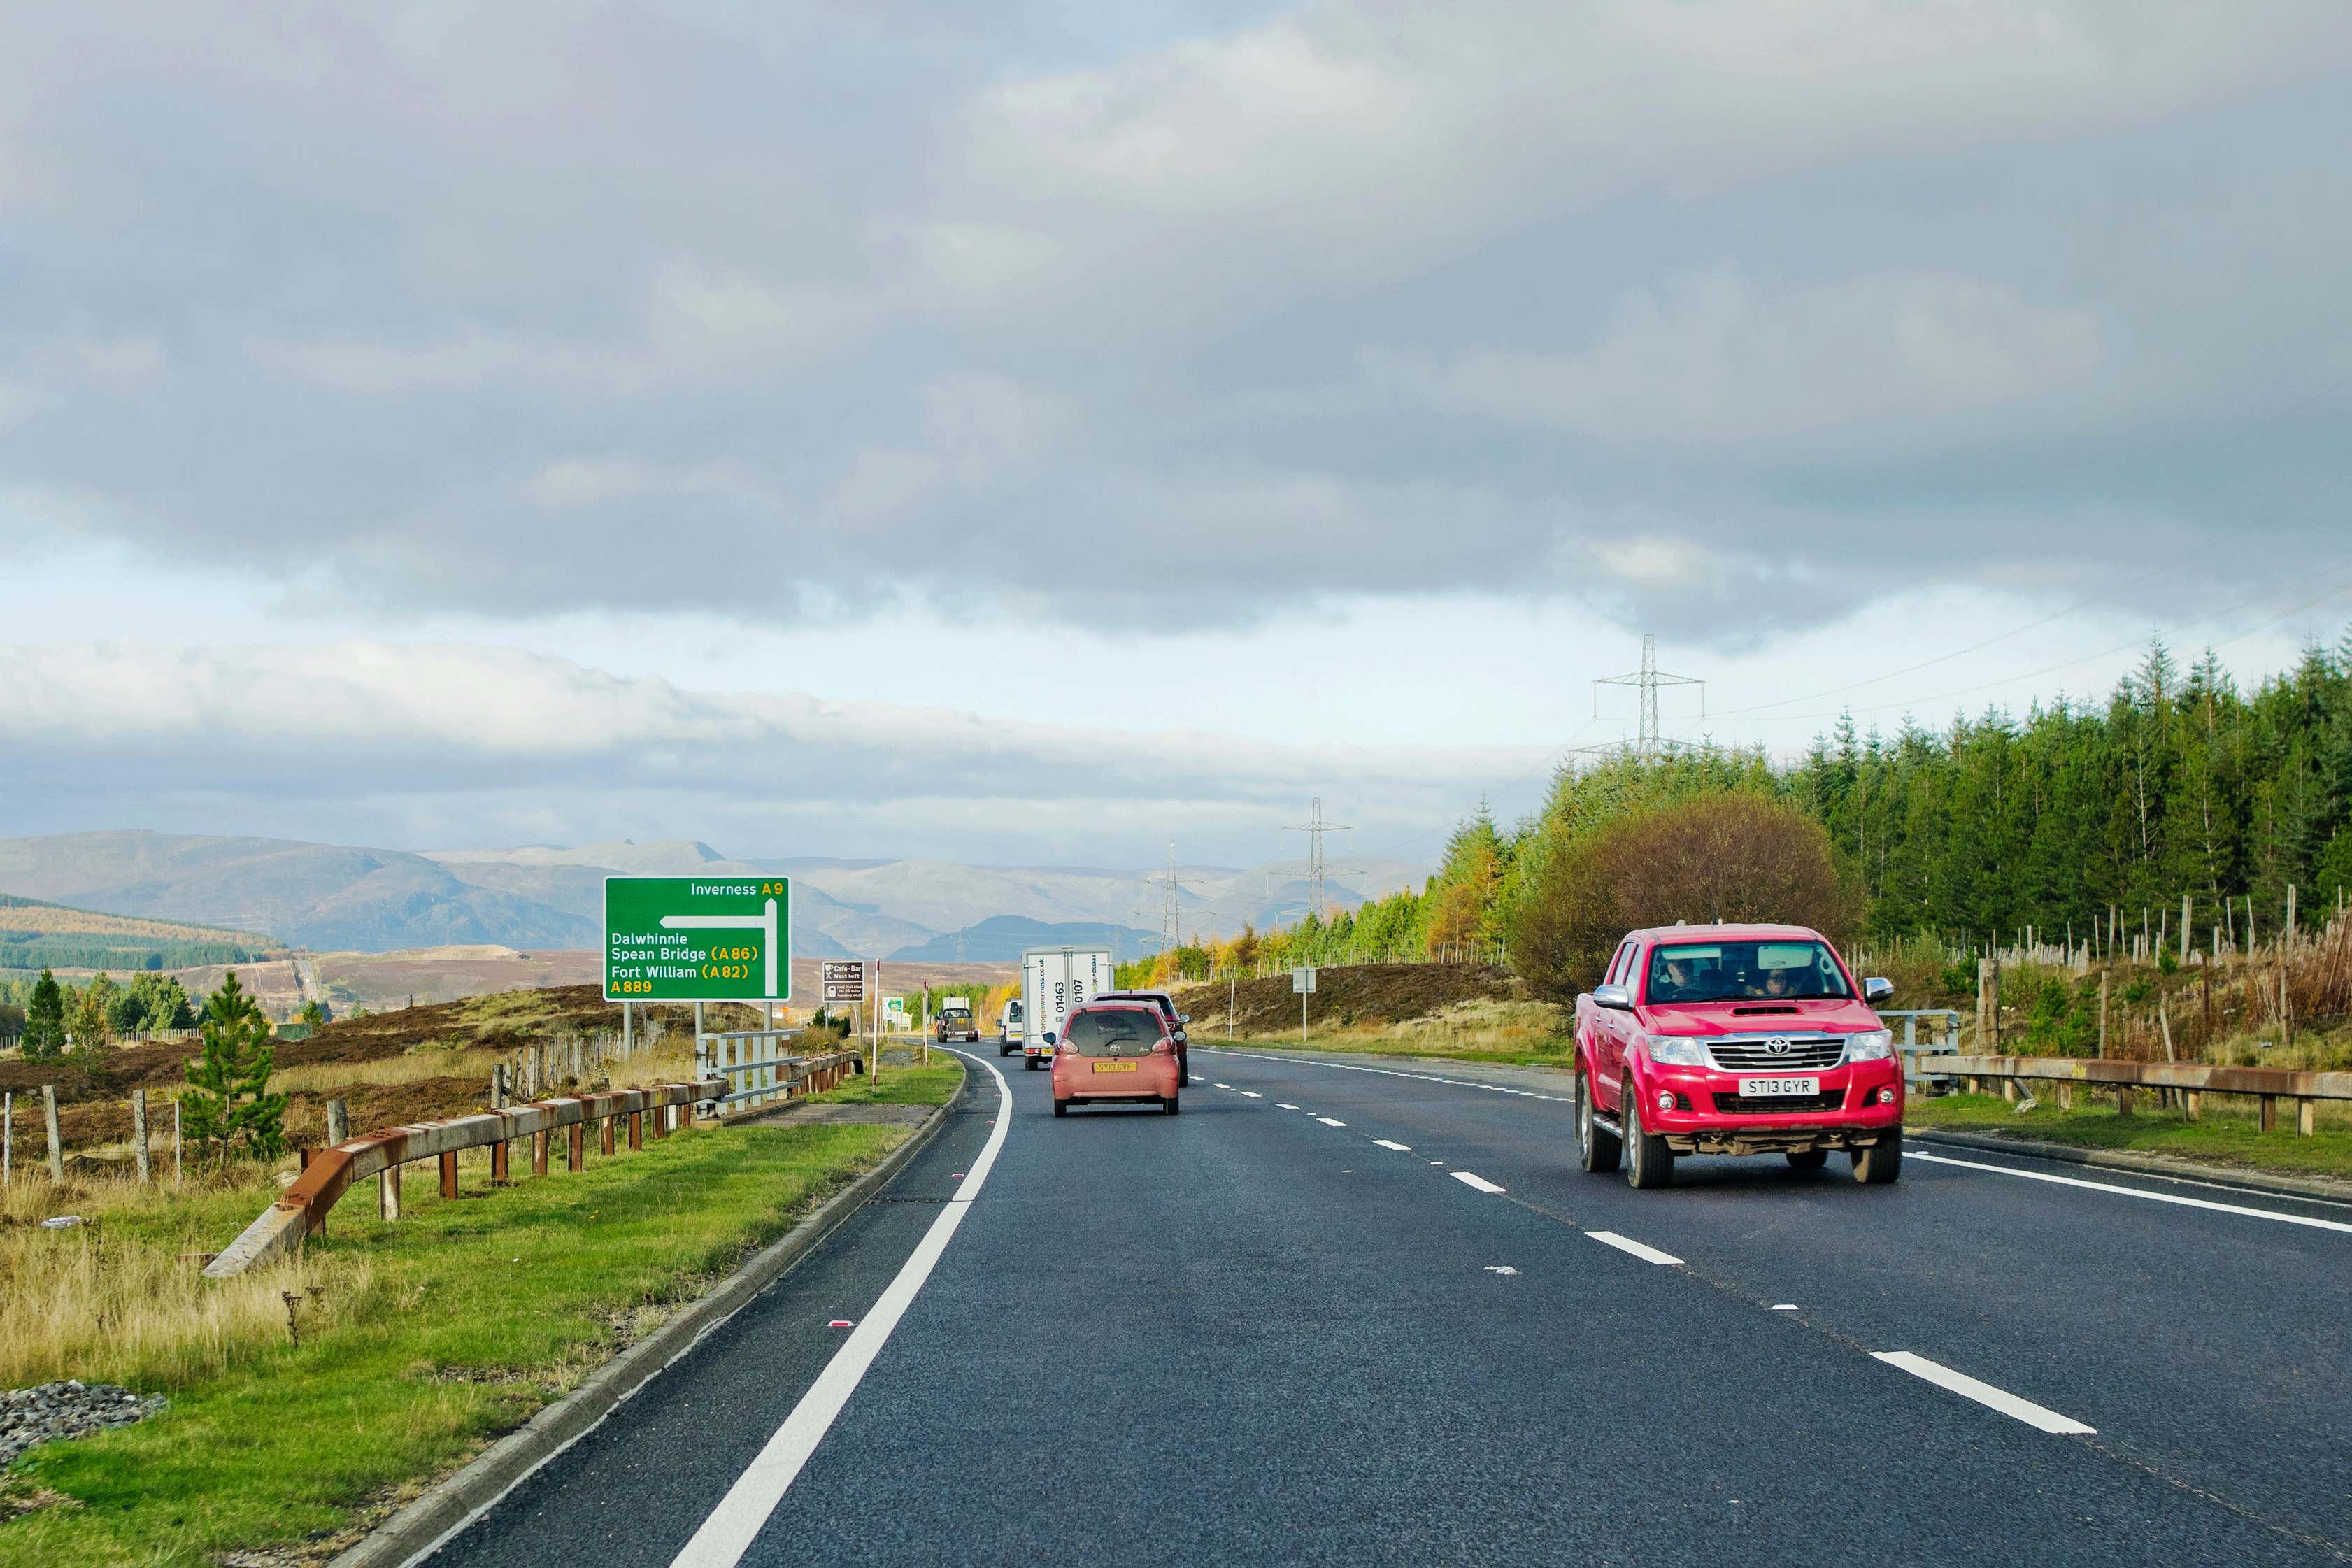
1877	990
1615	997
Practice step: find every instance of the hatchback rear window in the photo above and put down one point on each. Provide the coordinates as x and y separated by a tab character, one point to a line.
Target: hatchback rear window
1123	1032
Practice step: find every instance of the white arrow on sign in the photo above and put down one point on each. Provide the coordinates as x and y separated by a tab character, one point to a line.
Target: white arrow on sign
734	923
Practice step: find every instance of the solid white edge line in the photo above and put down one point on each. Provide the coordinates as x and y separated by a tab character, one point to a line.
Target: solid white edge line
1984	1393
1627	1244
744	1511
1472	1179
2311	1220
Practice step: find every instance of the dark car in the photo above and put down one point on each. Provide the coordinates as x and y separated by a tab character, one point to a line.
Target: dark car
1176	1021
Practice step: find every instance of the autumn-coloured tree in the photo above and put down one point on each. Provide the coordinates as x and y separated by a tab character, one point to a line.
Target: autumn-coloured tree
1734	855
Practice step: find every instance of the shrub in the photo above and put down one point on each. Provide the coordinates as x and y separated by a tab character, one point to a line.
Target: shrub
1733	856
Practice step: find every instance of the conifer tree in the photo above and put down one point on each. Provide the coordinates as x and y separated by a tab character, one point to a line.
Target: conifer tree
45	1019
228	1103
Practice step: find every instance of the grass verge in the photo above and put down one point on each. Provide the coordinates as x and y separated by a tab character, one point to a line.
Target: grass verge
2226	1133
414	1344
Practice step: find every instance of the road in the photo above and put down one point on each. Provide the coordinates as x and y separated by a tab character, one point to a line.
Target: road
1289	1326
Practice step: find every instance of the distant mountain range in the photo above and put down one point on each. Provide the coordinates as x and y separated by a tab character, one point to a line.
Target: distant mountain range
1001	939
335	898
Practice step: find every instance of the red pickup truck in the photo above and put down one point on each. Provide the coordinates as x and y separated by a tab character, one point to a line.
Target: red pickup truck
1734	1040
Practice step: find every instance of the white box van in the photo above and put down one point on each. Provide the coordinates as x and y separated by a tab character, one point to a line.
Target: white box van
1054	983
1008	1035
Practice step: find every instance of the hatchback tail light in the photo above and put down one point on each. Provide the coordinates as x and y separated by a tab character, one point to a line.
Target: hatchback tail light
1162	1048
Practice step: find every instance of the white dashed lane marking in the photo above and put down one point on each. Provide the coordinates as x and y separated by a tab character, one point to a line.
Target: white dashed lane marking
1984	1393
1328	1122
1283	1105
1472	1179
1391	1072
1399	1148
1628	1244
1249	1094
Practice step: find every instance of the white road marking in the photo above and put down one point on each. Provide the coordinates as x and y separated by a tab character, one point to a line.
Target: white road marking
2315	1223
1391	1072
1249	1094
1399	1148
1283	1105
1472	1179
1328	1122
1500	1269
1627	1244
1784	1306
732	1526
1984	1393
1221	1086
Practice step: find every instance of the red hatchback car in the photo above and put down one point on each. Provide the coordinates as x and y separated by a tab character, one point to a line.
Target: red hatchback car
1110	1052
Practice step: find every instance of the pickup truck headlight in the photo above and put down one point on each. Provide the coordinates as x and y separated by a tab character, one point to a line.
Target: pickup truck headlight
1870	1046
1676	1050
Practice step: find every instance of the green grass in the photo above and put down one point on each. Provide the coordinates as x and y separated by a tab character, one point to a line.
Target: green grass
474	1314
2223	1136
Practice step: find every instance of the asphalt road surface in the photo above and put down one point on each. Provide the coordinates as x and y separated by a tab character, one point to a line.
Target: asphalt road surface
1358	1314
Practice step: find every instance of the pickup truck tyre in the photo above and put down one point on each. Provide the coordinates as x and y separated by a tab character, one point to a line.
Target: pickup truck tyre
1882	1163
1808	1159
1648	1161
1596	1147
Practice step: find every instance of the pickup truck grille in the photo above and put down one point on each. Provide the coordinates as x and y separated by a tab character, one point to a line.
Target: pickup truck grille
1803	1053
1778	1104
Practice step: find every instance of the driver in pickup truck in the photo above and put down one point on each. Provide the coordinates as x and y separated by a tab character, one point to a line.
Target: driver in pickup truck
1678	983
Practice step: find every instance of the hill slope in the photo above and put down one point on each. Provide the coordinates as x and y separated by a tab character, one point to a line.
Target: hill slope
37	935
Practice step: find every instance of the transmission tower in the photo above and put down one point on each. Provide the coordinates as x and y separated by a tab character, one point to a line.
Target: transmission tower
1647	680
1315	828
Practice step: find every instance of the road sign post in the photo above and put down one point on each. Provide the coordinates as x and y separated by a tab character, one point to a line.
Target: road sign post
1302	980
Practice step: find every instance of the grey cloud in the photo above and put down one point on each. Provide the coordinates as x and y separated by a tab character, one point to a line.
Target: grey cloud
515	310
440	744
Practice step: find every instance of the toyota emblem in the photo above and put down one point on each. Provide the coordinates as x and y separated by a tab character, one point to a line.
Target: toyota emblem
1777	1046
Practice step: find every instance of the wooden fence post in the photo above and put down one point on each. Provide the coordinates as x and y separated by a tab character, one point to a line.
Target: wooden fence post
449	1174
49	1119
139	1132
338	1122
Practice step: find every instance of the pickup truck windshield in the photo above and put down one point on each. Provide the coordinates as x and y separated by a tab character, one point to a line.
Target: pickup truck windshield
1744	972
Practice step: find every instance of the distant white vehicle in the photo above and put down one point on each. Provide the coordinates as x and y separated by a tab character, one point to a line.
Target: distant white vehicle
1054	983
1008	1028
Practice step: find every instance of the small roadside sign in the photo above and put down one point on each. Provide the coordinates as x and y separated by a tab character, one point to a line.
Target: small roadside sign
894	1009
844	982
691	939
1302	981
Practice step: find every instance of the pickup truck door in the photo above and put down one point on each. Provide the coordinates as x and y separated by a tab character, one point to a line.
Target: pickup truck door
1612	1029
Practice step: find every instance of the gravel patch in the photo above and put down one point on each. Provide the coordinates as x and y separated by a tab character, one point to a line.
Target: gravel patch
67	1409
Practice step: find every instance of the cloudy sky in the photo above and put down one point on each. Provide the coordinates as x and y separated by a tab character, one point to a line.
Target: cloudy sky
1032	433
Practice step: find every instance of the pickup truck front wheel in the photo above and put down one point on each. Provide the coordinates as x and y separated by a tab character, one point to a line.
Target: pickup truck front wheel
1596	1146
1648	1161
1881	1163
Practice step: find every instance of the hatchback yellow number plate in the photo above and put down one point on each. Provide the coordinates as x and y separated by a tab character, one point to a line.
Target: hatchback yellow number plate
1114	1066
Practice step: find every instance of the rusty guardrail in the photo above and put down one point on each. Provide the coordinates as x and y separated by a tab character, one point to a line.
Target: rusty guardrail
2192	1080
303	1208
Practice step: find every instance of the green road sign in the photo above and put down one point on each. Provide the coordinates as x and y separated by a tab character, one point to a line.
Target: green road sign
693	938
